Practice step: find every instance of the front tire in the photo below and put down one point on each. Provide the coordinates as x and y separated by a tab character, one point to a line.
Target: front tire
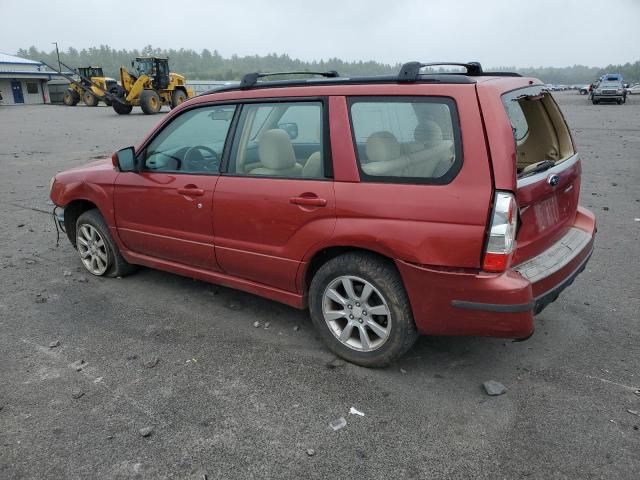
595	102
98	252
150	102
359	307
177	97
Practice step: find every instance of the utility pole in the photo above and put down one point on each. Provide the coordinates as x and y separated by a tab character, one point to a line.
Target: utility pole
58	54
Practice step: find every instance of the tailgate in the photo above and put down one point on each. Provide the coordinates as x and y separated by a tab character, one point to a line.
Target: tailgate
547	170
548	202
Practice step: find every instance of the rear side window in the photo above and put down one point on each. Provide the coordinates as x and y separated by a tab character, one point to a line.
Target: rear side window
406	139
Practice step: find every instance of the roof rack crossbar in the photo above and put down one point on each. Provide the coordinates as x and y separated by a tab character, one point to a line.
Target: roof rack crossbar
250	79
411	71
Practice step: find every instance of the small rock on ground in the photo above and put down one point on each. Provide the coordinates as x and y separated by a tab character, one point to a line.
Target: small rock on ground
54	344
256	324
83	279
77	394
146	431
338	424
296	328
311	452
151	363
494	388
67	273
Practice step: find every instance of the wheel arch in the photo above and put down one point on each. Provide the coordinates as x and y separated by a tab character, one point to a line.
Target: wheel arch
71	213
327	253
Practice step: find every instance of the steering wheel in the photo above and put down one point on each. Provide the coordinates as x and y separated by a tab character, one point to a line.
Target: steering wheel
195	160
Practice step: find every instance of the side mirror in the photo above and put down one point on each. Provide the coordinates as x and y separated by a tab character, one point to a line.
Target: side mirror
124	160
290	128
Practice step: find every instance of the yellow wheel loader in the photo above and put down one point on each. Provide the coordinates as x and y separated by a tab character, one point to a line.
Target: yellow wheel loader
91	88
150	86
86	83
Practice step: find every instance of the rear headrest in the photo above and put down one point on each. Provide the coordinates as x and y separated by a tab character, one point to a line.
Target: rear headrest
275	150
382	146
428	132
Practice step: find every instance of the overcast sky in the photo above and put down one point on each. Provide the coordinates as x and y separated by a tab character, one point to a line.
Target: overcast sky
495	32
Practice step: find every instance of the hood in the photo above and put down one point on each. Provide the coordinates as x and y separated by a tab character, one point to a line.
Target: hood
99	164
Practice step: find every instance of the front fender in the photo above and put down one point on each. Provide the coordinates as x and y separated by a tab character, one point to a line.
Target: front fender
98	191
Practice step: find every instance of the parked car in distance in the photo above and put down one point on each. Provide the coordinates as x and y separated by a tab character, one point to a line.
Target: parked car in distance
609	91
389	206
633	89
584	90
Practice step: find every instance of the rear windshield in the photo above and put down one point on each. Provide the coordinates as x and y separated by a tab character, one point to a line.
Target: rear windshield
539	130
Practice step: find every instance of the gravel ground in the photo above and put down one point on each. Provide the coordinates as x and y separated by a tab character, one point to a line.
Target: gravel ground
229	400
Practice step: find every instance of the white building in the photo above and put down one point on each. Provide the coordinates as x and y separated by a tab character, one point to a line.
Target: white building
23	81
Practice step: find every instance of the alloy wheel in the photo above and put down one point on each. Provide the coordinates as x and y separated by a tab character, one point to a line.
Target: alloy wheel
356	313
93	249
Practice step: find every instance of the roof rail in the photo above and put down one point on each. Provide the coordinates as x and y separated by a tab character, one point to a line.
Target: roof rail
250	79
410	72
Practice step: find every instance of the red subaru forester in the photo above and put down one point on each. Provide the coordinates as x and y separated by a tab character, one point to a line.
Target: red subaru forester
390	206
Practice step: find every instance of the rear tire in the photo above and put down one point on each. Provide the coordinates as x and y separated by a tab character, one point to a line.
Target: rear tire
71	97
150	102
90	99
359	307
177	97
98	252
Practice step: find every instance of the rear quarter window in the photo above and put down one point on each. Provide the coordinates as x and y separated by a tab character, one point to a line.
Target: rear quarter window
406	139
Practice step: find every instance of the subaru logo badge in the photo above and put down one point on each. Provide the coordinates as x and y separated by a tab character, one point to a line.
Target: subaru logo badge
553	180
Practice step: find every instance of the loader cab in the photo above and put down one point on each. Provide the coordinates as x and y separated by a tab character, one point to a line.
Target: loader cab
89	73
155	68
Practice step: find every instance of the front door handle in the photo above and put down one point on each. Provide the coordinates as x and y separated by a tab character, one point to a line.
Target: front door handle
308	201
191	191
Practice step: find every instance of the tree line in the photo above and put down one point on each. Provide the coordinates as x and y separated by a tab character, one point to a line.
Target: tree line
210	65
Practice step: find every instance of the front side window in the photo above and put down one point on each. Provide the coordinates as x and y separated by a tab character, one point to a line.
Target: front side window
281	139
192	143
408	140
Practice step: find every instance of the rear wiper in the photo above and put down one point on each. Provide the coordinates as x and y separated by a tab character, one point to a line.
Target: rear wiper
540	167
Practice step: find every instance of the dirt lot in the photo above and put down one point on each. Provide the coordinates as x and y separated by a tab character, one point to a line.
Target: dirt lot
229	400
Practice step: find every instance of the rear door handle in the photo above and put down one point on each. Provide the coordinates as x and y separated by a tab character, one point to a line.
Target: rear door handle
191	191
308	201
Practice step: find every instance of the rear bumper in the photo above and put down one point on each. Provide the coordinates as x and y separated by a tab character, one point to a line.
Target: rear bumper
498	305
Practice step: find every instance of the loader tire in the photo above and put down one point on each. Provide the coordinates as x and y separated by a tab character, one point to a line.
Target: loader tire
121	108
150	102
90	99
71	97
177	97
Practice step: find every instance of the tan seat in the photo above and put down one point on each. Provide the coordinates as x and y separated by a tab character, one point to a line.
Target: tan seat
276	155
427	160
313	167
385	155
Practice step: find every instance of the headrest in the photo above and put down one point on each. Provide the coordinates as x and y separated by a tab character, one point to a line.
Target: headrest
382	146
275	150
428	132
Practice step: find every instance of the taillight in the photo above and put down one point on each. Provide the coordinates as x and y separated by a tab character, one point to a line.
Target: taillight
502	233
